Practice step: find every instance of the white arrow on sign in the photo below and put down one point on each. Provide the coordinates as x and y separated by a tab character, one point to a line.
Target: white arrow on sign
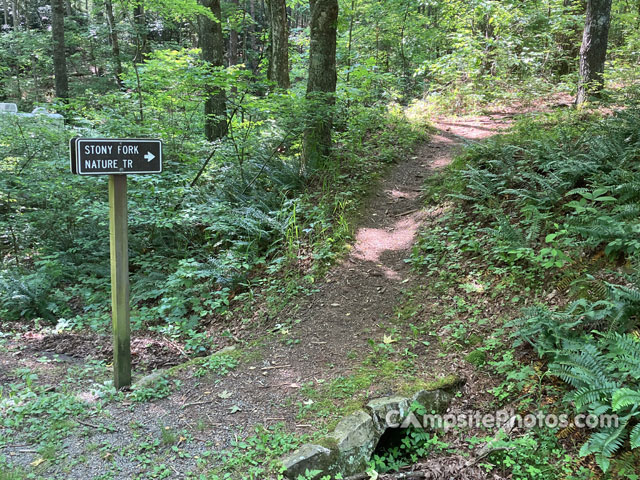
149	156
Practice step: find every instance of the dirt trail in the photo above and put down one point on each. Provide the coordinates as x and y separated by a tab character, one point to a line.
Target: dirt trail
364	288
331	328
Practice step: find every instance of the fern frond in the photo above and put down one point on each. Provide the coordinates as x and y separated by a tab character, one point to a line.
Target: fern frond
605	442
624	397
589	395
634	436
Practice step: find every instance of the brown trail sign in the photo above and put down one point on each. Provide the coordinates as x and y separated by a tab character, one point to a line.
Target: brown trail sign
117	158
108	156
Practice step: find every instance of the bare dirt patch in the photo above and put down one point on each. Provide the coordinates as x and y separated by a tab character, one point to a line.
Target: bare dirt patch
147	352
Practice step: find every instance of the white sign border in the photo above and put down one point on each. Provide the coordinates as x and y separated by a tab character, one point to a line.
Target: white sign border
116	140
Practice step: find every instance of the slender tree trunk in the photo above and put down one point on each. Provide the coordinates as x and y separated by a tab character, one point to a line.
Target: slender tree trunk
59	57
252	37
321	85
377	42
5	8
566	39
26	10
594	49
115	44
16	15
243	29
350	38
278	43
402	53
233	40
212	45
34	71
141	32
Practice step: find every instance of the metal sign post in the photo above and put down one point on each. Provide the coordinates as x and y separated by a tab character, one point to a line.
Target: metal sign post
117	158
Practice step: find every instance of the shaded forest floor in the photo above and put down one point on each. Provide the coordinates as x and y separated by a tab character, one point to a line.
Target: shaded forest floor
371	327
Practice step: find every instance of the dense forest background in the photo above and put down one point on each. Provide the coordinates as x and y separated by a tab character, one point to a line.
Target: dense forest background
226	88
278	117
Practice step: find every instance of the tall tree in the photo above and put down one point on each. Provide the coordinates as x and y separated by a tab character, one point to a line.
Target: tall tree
140	22
212	46
59	56
233	37
115	45
321	84
16	15
594	49
278	43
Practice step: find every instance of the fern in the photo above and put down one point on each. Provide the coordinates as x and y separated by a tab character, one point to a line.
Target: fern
604	444
626	465
634	436
624	397
27	296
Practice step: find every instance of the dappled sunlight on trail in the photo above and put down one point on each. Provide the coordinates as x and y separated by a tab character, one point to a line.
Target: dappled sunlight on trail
396	215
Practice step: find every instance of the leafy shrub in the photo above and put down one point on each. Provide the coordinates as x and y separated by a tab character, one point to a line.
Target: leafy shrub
26	296
534	456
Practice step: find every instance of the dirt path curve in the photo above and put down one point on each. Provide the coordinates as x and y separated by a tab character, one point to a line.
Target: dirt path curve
330	329
364	288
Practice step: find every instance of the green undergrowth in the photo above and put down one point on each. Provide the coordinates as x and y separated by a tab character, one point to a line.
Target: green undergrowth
189	265
262	228
544	221
36	412
255	457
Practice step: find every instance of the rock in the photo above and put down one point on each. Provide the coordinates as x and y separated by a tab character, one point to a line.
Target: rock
307	457
355	438
381	407
477	358
199	360
349	448
434	401
149	380
8	108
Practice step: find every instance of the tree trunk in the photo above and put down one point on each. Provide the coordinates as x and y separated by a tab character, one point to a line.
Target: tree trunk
16	15
278	43
233	39
594	49
27	11
211	43
321	85
248	58
141	32
115	45
350	38
59	57
566	39
5	7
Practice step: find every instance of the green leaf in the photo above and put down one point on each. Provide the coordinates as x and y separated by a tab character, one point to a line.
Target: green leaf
624	397
634	436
